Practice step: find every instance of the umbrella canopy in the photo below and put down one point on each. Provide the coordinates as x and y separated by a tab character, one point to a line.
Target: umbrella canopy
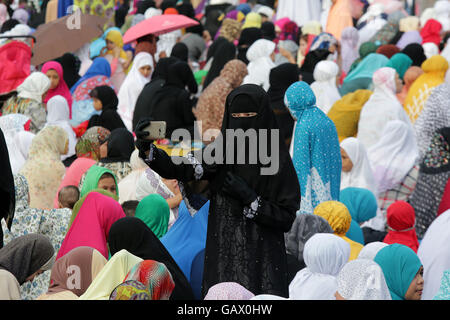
66	34
157	25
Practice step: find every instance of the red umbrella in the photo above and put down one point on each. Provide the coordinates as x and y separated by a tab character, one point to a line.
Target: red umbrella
158	25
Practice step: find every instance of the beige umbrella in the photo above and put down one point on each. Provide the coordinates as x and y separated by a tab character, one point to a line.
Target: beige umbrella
66	34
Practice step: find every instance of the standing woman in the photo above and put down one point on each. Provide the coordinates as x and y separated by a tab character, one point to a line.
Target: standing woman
21	261
44	169
28	100
314	148
7	191
249	211
139	75
58	86
117	57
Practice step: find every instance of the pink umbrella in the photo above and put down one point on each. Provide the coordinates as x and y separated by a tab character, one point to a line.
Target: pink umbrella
158	25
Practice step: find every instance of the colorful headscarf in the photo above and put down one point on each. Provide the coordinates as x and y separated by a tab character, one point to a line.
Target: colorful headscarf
319	175
431	32
116	37
323	41
62	89
100	68
252	20
92	177
228	291
400	265
155	277
400	62
88	146
130	290
155	212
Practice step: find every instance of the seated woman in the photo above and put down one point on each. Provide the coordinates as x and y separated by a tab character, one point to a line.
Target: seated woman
54	71
28	100
98	74
105	101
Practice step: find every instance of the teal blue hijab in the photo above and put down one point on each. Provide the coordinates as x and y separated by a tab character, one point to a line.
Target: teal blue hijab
400	62
400	265
362	205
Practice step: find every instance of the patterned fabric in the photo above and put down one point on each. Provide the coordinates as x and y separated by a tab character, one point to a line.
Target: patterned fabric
89	144
156	278
120	169
362	280
435	69
101	8
211	103
44	160
130	290
228	291
400	192
29	107
444	290
51	223
315	150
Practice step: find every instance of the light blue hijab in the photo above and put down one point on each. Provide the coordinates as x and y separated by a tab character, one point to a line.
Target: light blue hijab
187	237
316	154
362	205
400	265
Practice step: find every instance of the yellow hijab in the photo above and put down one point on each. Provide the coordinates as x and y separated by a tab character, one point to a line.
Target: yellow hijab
434	74
345	113
111	275
116	37
252	20
339	218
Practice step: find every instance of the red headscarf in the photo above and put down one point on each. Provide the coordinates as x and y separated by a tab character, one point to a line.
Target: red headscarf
388	50
62	89
401	220
431	32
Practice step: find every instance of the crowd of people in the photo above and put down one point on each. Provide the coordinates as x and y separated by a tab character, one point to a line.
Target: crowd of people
355	91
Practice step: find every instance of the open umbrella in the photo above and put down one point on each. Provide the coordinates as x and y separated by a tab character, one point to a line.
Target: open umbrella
66	34
157	25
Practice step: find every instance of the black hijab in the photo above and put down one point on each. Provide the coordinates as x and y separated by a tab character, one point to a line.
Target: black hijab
7	191
186	9
224	52
71	67
109	118
120	146
268	31
247	38
281	78
416	53
121	13
180	51
143	5
311	59
8	25
212	23
25	255
180	75
133	235
162	68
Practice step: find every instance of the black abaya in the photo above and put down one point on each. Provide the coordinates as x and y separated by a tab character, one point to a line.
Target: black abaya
7	191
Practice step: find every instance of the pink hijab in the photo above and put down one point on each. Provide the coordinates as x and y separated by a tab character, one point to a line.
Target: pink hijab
92	223
62	89
73	175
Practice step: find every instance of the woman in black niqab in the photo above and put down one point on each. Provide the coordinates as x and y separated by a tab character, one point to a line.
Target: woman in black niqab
249	211
133	235
247	38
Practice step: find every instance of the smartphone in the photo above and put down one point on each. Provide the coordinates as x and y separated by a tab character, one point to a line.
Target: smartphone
156	130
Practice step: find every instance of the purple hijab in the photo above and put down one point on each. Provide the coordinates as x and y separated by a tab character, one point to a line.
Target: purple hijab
408	38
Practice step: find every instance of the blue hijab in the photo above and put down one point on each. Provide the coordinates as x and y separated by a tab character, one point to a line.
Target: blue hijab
187	237
400	265
63	5
362	205
100	67
316	151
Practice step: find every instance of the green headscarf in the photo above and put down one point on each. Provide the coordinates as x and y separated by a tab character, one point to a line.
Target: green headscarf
400	62
154	211
93	175
400	265
80	202
364	50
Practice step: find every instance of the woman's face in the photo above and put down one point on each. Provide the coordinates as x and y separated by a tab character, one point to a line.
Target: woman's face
110	45
104	150
398	83
107	184
97	104
416	287
172	184
303	46
145	71
347	164
54	78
